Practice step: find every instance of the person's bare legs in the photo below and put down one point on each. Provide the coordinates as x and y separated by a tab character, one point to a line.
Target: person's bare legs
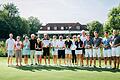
25	59
114	60
94	61
20	61
105	59
87	61
99	61
45	60
40	59
110	61
37	57
70	58
49	60
67	59
90	61
81	57
17	61
54	59
117	62
78	59
59	61
8	60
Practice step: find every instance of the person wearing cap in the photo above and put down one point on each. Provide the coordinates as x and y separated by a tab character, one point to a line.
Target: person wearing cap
88	44
79	48
61	50
32	48
10	48
73	48
46	48
26	49
107	52
115	44
38	52
54	49
96	48
68	52
18	51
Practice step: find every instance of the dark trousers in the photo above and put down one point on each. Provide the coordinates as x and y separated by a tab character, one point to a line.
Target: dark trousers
73	57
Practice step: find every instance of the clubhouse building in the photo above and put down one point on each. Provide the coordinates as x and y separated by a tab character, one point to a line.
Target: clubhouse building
62	29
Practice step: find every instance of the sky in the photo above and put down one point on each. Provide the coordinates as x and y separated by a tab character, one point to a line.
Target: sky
65	11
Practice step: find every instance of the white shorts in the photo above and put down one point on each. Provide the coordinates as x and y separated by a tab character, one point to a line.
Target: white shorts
88	52
55	52
96	52
107	53
10	53
38	53
116	51
68	51
78	51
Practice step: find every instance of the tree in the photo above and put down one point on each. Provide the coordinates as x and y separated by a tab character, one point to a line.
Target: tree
11	22
95	26
12	9
34	24
107	27
113	20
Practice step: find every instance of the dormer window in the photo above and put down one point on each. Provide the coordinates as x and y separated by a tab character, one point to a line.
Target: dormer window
62	28
77	27
48	28
55	28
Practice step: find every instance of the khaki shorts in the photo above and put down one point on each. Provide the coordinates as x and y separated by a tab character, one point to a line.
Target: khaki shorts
18	54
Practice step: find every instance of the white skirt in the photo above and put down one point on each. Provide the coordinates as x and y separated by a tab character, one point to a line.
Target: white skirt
68	51
78	51
38	53
54	52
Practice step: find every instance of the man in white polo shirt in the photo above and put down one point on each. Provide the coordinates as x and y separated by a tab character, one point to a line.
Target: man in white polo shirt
10	48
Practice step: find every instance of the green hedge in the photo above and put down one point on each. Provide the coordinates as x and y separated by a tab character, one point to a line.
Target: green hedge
2	49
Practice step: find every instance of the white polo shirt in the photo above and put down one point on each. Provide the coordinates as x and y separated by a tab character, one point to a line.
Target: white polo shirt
83	38
60	44
10	43
54	43
46	42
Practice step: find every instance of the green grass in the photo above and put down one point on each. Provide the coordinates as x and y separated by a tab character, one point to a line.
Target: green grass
55	73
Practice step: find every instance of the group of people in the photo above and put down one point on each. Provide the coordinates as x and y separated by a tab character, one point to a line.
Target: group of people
70	52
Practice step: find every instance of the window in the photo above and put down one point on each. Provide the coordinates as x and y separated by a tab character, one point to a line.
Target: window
62	28
70	27
48	28
55	28
77	27
41	28
66	28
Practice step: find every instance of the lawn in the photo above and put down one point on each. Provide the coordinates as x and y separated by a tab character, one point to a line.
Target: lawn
55	73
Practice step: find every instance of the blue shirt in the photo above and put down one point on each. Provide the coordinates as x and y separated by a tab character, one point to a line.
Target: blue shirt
96	42
106	42
115	39
88	43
